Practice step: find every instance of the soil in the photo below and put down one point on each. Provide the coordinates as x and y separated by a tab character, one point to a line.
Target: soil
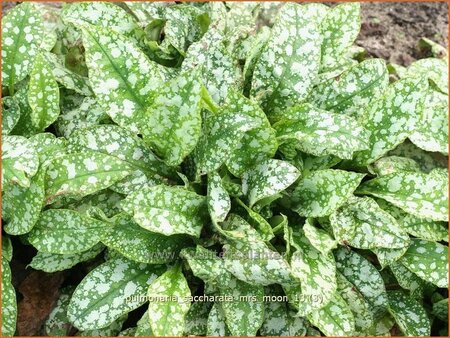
391	30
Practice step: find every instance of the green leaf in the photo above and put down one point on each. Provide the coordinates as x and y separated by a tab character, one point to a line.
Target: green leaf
335	319
196	319
257	221
422	195
319	239
10	114
112	289
43	94
245	313
409	314
48	147
57	323
143	328
124	145
141	245
440	309
7	248
105	15
217	67
111	330
64	231
20	161
166	210
320	133
120	74
168	310
205	264
279	320
340	27
316	273
388	256
434	69
364	277
22	31
21	206
289	62
364	225
216	326
222	135
391	164
80	174
268	179
172	125
66	77
218	199
256	145
357	303
392	118
324	191
353	90
408	280
432	133
9	305
52	262
428	260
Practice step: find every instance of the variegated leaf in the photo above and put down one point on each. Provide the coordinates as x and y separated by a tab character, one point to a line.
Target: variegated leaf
57	323
9	305
319	238
324	191
218	199
390	164
10	114
280	320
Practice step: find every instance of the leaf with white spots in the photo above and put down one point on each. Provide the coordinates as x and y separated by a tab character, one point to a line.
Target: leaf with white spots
340	27
22	31
371	227
216	326
280	320
111	330
111	290
390	164
66	77
10	114
267	179
357	303
43	94
409	314
408	280
115	141
48	147
222	135
218	199
143	328
422	195
167	210
52	262
20	161
245	313
440	309
335	319
196	319
257	144
103	14
316	273
84	173
7	248
434	69
9	305
428	260
57	323
168	310
392	117
319	238
318	132
64	231
172	125
21	206
365	278
432	133
218	68
257	221
324	191
141	245
354	90
290	60
121	75
205	264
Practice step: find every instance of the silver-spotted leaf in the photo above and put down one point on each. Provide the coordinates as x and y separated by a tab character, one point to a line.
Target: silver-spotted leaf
324	191
166	210
280	320
169	303
9	305
319	238
10	114
57	323
218	199
111	290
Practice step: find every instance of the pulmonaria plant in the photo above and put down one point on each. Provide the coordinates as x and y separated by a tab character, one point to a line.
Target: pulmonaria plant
213	171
